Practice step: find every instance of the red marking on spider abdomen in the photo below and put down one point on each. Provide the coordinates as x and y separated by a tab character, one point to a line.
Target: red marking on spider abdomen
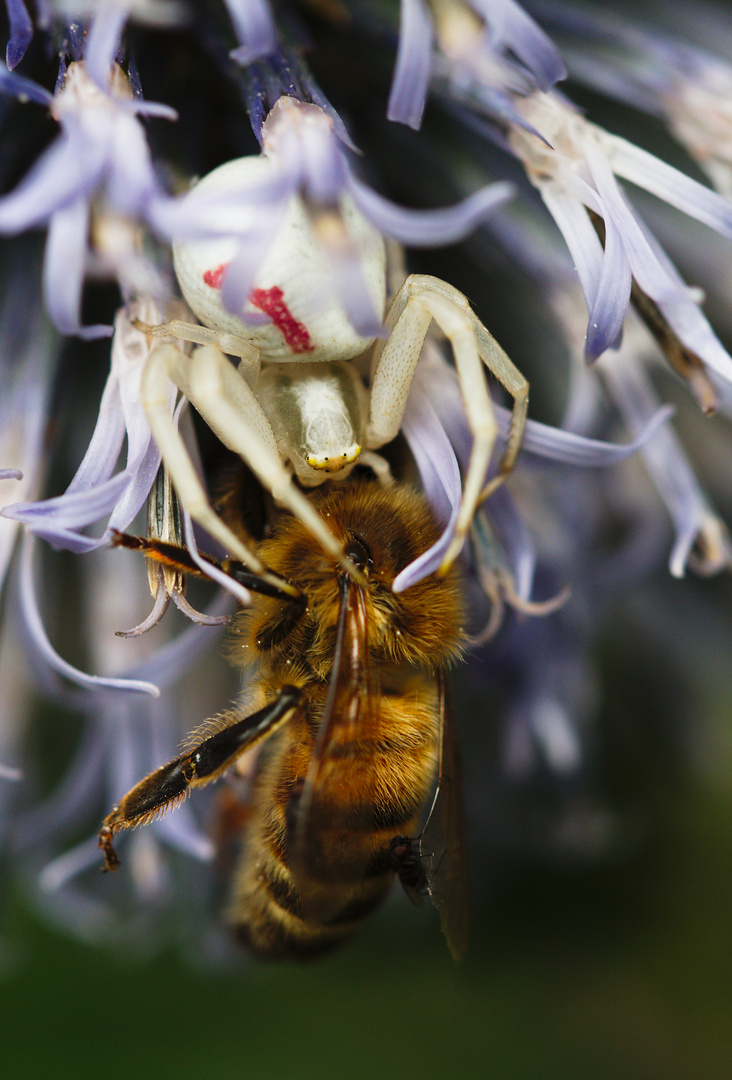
213	277
272	303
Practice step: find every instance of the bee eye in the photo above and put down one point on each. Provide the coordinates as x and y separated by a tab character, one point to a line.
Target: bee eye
358	552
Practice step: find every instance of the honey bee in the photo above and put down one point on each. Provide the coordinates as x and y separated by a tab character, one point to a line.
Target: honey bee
350	701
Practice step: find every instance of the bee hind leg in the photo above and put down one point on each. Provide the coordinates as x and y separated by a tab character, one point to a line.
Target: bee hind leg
164	788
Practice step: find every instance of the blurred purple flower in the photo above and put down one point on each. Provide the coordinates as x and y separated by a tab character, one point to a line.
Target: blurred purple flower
96	179
573	164
96	490
21	32
490	48
254	27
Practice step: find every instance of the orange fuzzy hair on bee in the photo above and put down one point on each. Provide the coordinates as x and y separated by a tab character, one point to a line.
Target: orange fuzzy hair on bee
421	626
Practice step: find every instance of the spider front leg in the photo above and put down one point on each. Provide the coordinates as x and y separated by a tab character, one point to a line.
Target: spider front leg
228	405
420	300
231	344
164	788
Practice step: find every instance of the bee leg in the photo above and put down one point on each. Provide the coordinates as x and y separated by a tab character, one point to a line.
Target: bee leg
406	861
177	558
170	783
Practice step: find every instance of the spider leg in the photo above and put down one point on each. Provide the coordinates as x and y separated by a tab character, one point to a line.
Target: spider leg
228	405
167	363
420	300
204	335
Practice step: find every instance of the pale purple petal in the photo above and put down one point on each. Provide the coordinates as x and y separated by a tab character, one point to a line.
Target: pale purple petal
21	31
103	40
440	476
228	583
11	474
28	352
606	318
693	330
143	472
68	169
69	511
151	108
254	28
105	445
647	271
129	356
424	228
413	64
554	444
32	618
93	492
433	454
199	215
24	89
509	23
350	288
517	542
685	316
10	772
580	237
58	519
672	186
307	153
240	273
67	866
665	459
132	179
324	168
439	382
657	276
63	270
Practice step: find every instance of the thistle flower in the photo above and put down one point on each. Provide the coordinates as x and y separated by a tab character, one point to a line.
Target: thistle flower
612	496
665	74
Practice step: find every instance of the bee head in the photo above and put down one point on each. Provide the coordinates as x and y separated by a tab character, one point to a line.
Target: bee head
381	530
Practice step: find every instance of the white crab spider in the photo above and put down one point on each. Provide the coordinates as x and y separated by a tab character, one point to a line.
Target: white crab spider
297	397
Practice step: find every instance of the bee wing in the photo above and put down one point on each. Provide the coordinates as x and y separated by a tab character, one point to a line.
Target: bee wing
442	846
335	798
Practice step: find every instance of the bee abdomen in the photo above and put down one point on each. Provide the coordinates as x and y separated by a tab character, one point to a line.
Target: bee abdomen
267	913
369	789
